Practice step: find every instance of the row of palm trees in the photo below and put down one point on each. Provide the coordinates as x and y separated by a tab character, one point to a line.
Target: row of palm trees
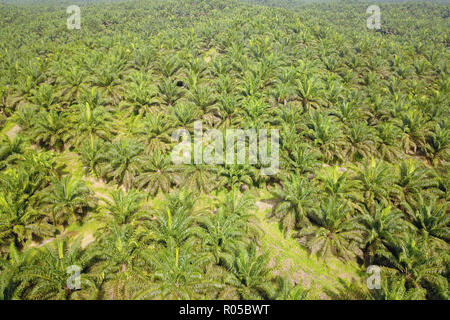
171	252
409	240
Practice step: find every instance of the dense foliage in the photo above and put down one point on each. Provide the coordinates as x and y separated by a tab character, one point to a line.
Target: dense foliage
86	177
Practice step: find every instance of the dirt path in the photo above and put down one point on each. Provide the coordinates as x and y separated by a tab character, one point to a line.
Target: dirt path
12	133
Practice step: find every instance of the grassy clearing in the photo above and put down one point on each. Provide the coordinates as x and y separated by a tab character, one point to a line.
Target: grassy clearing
289	259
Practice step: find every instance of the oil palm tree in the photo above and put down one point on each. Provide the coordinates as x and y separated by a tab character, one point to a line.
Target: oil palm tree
413	180
239	175
11	268
333	231
20	218
288	116
117	255
108	78
199	177
92	155
287	291
249	275
226	109
420	265
383	228
157	174
175	227
431	218
50	129
389	142
45	96
49	272
222	233
73	81
440	174
155	131
94	97
184	115
68	199
11	150
251	85
143	57
168	66
415	128
255	111
180	199
346	112
439	142
337	182
178	274
25	116
241	205
309	92
19	222
377	182
91	124
326	135
141	94
393	288
361	141
294	202
125	158
202	96
301	158
124	208
169	92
